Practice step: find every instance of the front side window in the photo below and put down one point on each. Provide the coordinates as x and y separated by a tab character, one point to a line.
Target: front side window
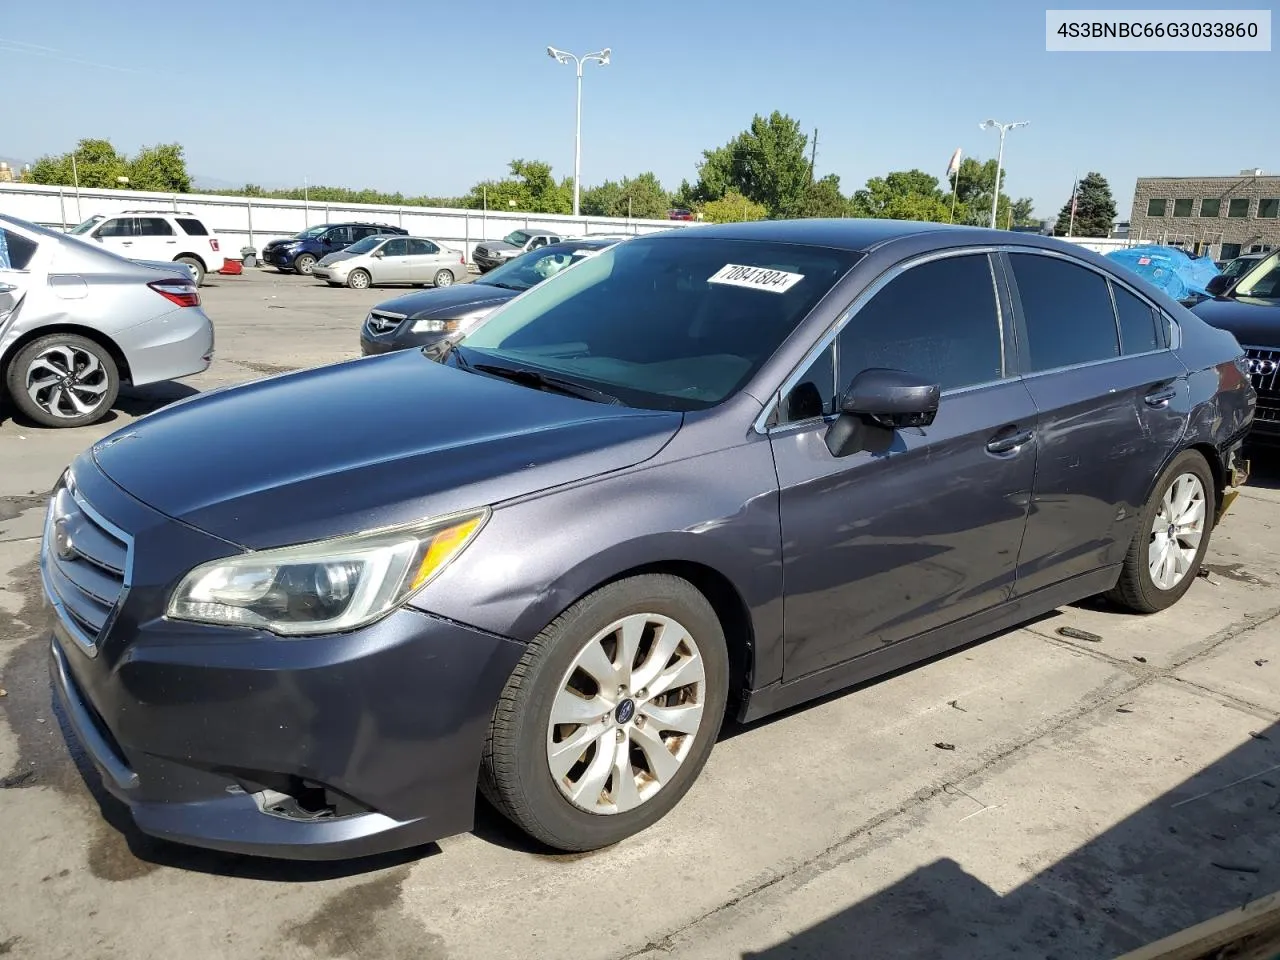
1239	207
938	320
815	393
396	247
339	235
668	323
16	251
1137	322
1067	311
1182	208
1210	208
154	227
116	227
1157	208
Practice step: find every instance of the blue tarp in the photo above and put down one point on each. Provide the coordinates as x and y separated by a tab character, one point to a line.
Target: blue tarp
1174	271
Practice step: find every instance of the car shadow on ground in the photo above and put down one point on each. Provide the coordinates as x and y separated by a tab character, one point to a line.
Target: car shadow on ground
1205	848
132	401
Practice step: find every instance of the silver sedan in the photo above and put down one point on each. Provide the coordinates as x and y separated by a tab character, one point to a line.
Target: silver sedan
385	260
77	320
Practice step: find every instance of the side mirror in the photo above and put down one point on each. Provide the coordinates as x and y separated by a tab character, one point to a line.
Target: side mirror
378	254
878	402
1218	285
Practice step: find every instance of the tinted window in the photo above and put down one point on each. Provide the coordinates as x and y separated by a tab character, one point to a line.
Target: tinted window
1182	208
420	248
1210	208
1067	310
689	320
117	227
1137	322
397	247
1157	208
359	233
191	227
154	227
16	251
815	394
938	320
339	235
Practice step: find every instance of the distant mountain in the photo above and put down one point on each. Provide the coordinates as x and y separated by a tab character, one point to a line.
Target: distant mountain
14	163
201	182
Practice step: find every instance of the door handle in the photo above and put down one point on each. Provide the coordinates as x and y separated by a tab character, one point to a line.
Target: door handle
127	243
1160	398
1010	443
171	241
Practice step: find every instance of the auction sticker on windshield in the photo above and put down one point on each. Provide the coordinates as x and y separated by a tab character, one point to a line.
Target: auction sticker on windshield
755	278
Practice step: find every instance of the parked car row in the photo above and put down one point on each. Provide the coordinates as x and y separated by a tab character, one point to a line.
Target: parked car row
707	472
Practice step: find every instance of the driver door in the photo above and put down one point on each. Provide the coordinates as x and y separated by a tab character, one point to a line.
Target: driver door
394	265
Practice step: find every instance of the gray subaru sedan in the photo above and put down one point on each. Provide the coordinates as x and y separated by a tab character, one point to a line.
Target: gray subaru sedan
722	469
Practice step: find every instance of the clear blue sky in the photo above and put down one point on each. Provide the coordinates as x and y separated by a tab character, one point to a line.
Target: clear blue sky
431	96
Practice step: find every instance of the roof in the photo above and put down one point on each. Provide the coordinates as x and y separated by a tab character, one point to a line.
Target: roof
842	234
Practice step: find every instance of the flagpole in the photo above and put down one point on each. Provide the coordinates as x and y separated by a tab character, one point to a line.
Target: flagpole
955	189
1075	186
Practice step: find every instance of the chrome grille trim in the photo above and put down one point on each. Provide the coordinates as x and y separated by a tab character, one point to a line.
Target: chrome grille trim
380	322
1264	368
87	586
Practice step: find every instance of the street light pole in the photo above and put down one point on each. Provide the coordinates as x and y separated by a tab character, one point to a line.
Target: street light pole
1003	128
560	56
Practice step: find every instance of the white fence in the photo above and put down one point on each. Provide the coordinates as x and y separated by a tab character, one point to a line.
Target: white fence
253	221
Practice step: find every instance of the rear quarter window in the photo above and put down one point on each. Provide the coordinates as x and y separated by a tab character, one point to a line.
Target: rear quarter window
192	227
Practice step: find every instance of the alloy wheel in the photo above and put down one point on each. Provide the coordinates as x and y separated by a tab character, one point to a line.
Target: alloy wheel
1176	531
66	382
359	280
444	278
626	714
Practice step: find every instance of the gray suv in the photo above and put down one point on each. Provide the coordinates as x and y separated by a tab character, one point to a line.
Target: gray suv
77	320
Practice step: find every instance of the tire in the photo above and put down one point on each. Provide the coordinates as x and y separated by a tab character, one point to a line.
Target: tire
196	267
304	264
359	279
1138	588
443	278
516	774
95	380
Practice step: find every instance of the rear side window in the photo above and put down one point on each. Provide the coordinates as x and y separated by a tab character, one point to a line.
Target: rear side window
1067	310
116	227
359	233
420	248
192	227
1137	322
154	227
938	320
16	250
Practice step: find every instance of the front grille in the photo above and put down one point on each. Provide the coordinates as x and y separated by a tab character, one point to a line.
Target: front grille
1263	364
482	251
84	561
380	323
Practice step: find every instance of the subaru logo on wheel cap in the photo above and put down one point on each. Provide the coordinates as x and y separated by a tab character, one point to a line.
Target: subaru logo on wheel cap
626	710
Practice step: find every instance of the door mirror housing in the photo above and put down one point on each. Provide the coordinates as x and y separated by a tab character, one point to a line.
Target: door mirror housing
891	398
378	254
1218	285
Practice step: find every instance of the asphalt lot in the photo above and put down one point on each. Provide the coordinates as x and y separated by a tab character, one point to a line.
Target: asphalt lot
1030	795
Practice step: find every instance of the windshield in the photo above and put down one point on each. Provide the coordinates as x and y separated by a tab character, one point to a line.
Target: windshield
1238	266
312	232
88	225
530	269
366	245
1262	280
517	237
671	324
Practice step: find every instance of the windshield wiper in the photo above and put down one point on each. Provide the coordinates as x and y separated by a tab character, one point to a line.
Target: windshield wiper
543	381
504	286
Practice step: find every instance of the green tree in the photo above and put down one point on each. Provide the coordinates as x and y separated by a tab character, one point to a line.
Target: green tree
1095	209
766	163
822	198
1024	212
641	197
161	168
531	188
733	207
97	164
902	195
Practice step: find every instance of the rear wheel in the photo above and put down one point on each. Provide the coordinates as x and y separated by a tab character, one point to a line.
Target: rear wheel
304	264
444	278
610	715
359	279
196	267
1172	537
63	380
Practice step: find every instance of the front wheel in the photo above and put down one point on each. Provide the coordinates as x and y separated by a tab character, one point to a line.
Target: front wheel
63	380
359	280
1172	538
610	715
304	264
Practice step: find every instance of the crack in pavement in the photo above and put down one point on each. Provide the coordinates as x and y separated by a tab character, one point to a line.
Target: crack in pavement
830	857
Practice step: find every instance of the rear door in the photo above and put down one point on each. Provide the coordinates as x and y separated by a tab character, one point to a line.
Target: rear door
154	239
1113	404
424	261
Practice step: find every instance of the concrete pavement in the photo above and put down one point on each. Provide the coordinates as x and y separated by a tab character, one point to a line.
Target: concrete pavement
1032	794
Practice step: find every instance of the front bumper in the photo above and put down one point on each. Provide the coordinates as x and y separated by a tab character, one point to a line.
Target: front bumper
329	273
401	338
487	263
322	748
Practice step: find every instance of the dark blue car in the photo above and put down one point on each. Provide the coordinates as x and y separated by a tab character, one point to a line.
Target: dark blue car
299	253
725	468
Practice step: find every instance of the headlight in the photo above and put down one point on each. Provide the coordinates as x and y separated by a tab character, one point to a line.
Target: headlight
324	587
435	326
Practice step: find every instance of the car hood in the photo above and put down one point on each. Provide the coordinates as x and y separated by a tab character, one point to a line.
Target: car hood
498	246
1254	322
363	444
440	300
331	258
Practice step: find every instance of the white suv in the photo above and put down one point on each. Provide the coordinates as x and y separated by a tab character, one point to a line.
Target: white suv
158	235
